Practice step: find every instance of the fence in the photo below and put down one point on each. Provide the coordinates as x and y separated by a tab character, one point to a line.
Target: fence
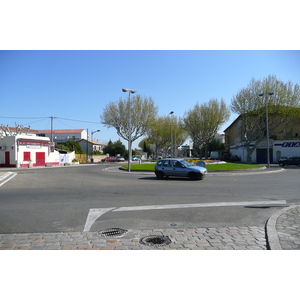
81	158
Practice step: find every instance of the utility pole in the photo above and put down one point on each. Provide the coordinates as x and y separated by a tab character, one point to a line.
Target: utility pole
87	145
52	129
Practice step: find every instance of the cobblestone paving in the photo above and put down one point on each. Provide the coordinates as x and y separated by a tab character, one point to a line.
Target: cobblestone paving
229	238
288	229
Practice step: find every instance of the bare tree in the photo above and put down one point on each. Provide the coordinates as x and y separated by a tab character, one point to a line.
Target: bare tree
203	121
130	118
283	107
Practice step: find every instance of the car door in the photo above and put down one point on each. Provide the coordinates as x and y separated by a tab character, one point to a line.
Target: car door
178	169
166	167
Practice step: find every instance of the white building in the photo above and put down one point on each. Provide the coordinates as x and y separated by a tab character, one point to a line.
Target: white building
24	150
278	149
61	136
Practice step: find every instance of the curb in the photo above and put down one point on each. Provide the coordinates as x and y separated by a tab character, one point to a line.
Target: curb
271	232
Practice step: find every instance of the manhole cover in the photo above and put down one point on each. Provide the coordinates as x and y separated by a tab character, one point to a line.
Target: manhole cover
113	232
155	240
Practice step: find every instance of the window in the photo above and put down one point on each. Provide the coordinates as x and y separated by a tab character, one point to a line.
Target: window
166	163
26	156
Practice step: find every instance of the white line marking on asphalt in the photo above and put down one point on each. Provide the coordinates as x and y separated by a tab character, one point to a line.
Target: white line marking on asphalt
95	213
171	206
9	173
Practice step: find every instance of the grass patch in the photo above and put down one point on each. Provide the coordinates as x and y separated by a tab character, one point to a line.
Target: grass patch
140	167
214	167
231	166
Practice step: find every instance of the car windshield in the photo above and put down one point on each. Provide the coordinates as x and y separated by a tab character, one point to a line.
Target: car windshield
186	163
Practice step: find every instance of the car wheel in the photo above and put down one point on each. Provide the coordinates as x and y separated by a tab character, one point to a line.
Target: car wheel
159	175
193	176
201	177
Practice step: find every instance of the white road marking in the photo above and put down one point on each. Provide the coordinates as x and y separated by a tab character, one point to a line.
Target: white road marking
95	213
151	207
8	174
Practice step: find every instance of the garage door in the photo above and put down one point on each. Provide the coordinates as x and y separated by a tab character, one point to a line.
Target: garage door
261	156
40	159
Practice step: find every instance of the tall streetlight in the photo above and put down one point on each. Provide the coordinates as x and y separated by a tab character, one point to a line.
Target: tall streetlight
92	160
129	125
171	113
267	125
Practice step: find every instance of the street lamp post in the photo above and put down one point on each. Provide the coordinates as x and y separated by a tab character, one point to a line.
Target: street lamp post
93	140
267	125
171	113
129	125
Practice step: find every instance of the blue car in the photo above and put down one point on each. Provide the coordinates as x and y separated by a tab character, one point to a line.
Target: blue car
180	168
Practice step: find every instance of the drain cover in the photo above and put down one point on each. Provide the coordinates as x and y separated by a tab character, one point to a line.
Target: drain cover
155	240
117	232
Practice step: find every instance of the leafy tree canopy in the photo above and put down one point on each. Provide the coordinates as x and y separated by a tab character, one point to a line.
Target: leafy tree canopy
71	146
114	148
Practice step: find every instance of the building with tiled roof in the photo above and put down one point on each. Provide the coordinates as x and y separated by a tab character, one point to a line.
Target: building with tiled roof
61	136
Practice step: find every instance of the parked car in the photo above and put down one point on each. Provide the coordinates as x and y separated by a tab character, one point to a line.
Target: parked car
234	158
178	167
136	157
225	156
289	161
108	159
119	158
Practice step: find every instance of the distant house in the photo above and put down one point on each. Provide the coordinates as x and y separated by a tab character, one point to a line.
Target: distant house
61	136
89	146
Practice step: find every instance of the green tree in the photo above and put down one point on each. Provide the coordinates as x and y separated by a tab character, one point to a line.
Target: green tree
162	130
283	107
114	148
71	146
215	145
203	121
144	144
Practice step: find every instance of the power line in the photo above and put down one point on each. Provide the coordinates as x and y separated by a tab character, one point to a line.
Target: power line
77	120
24	117
50	117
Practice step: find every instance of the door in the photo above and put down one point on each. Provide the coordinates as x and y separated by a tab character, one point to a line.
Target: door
178	169
40	159
7	158
167	167
261	156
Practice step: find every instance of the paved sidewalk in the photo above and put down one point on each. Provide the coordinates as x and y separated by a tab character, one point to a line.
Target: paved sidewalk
230	238
283	229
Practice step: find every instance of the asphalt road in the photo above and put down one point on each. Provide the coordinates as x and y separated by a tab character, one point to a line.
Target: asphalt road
87	198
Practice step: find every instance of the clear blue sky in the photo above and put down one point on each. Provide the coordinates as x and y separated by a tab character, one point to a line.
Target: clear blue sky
78	84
